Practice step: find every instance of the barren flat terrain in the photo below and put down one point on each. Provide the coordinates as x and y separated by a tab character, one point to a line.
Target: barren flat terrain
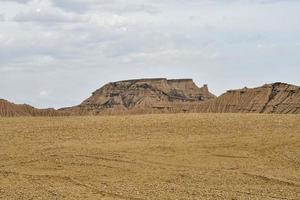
175	156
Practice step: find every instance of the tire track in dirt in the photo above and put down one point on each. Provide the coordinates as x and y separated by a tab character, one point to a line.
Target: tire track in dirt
23	162
73	181
230	156
107	159
272	179
252	194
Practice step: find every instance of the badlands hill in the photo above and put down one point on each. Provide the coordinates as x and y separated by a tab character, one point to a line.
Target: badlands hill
280	98
182	95
8	109
144	96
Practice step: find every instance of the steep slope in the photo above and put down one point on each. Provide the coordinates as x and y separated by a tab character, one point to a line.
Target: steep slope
8	109
143	96
278	98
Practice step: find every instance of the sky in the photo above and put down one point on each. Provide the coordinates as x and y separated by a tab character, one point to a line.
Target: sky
55	53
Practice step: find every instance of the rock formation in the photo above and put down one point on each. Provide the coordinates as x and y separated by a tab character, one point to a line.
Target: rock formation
8	109
143	96
278	98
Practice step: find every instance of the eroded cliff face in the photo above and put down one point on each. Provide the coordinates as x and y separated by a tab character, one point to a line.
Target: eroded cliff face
278	98
8	109
144	96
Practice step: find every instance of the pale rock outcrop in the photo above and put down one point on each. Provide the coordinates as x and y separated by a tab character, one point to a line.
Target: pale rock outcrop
278	98
143	96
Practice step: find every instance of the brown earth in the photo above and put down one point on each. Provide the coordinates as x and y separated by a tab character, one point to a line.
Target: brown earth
280	98
8	109
173	96
145	157
143	96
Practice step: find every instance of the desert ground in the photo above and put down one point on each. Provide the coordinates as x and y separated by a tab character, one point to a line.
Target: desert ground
173	156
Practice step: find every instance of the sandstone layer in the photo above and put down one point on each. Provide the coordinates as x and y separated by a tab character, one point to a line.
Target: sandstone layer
280	98
144	96
8	109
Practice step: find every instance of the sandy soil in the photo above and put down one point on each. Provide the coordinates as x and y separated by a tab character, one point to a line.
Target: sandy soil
180	156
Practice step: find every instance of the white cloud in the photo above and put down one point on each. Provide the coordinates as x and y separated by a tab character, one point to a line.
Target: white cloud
115	6
17	1
43	94
66	44
47	15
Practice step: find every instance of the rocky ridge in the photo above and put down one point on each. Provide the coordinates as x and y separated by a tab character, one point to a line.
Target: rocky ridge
280	98
143	96
8	109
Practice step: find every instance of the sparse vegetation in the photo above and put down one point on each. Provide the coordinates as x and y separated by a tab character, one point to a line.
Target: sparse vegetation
176	156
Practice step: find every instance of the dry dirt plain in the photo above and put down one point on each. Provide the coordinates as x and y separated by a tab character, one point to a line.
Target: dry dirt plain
180	156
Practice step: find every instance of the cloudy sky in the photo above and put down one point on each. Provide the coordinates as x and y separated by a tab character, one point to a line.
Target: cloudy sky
54	53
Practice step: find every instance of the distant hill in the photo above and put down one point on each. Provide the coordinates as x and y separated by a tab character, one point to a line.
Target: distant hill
144	96
8	109
278	98
182	95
